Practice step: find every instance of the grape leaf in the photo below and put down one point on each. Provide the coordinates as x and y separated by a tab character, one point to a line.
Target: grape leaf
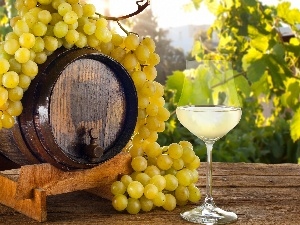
295	126
242	85
256	70
175	82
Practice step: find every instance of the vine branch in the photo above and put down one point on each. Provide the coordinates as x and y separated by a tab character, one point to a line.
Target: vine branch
141	8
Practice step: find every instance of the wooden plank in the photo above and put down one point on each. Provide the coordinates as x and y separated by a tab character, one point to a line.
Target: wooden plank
54	181
34	208
254	205
255	169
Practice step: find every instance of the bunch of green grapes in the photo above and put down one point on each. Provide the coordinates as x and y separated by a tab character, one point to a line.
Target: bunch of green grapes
41	27
163	177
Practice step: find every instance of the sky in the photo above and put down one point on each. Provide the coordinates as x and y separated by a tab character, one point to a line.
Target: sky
169	13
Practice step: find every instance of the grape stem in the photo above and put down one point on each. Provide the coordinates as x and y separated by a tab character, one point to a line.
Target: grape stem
141	8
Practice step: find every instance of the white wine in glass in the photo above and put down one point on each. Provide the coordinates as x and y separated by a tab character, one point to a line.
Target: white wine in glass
209	108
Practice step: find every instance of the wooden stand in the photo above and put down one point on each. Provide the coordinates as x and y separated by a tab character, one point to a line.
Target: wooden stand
27	188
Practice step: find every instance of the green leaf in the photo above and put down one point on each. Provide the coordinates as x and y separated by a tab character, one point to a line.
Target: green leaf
242	84
175	82
251	55
256	70
260	43
276	71
250	2
295	126
278	50
262	86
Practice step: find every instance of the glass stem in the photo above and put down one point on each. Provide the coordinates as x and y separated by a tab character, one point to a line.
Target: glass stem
209	198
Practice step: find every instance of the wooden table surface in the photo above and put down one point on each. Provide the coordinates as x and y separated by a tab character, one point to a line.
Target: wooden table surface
258	193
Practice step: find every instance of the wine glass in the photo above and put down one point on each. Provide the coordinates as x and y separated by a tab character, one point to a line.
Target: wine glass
209	107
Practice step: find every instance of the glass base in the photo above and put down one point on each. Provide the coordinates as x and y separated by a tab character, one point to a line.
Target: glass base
209	214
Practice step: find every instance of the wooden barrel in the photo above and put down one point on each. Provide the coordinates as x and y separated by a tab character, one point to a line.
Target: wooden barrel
79	111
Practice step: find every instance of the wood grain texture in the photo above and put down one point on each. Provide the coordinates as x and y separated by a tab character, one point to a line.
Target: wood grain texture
260	195
26	189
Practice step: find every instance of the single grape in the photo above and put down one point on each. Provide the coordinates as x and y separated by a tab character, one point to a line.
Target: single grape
160	199
72	36
24	81
3	96
40	57
116	39
11	46
126	180
77	8
163	114
164	162
15	108
146	204
184	177
15	65
120	202
178	164
142	53
51	43
63	8
152	109
171	182
89	28
153	149
143	102
152	171
10	79
148	88
88	10
151	74
39	29
152	123
118	187
82	41
143	178
188	155
170	202
194	164
30	68
93	41
118	54
20	27
175	151
195	194
7	120
136	151
135	189
139	78
150	191
4	65
159	181
139	163
148	41
39	45
60	29
186	144
182	193
70	17
153	59
133	206
44	16
15	94
131	41
101	22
